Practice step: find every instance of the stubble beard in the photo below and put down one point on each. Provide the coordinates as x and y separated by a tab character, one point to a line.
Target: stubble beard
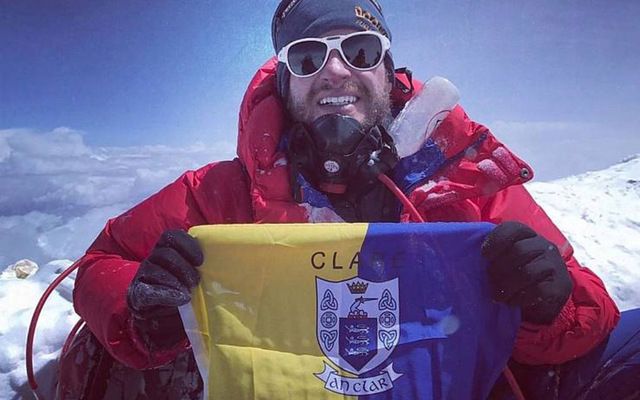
378	112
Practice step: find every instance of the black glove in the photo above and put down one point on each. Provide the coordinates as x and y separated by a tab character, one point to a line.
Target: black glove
163	282
527	270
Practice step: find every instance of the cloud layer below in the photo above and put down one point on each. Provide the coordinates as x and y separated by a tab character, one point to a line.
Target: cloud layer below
56	187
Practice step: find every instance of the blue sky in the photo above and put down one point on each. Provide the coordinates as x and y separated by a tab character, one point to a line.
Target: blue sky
556	80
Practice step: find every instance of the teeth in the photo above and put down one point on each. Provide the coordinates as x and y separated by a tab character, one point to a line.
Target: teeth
338	101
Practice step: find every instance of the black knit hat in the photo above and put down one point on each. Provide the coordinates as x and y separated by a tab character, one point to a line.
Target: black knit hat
297	19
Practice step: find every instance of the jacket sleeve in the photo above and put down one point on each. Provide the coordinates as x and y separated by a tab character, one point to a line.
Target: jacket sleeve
109	265
588	316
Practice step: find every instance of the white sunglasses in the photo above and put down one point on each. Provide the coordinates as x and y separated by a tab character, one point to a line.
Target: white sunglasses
362	51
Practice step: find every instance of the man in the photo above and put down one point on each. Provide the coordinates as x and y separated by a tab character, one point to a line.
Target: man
332	90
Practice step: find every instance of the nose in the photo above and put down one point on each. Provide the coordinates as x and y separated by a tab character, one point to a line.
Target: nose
335	71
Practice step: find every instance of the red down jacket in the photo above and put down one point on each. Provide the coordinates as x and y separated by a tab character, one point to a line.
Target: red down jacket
486	184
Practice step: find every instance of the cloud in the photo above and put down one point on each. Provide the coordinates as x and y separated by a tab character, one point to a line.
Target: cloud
56	172
56	189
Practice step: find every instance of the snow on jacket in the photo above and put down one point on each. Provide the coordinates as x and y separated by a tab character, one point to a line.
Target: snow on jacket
477	180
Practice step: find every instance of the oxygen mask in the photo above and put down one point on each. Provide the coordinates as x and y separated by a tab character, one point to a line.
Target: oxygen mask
337	155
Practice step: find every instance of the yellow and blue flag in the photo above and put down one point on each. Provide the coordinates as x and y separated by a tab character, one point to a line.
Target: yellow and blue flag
340	311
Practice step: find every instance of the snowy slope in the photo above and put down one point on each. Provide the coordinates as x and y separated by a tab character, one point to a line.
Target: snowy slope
598	211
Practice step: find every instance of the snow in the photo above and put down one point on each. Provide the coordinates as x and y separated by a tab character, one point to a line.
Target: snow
597	211
18	298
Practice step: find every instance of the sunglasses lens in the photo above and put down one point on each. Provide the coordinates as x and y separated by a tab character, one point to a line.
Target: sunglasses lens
362	51
305	58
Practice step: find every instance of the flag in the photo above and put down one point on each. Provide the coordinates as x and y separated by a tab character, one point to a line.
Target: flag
342	311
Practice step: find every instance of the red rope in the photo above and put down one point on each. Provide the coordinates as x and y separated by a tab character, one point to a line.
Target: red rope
34	322
416	215
72	335
403	199
513	383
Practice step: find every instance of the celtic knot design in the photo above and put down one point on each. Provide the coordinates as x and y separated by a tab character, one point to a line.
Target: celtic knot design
387	302
328	302
387	319
328	320
388	338
328	338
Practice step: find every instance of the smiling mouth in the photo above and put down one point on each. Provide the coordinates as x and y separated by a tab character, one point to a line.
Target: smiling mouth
338	101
